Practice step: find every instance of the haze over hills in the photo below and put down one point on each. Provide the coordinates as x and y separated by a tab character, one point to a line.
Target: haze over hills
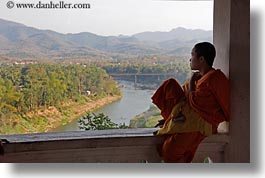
20	41
180	33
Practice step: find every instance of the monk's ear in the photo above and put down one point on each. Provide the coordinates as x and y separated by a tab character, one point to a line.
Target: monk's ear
201	59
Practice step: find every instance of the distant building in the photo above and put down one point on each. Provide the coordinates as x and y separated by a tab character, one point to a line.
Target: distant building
88	92
25	62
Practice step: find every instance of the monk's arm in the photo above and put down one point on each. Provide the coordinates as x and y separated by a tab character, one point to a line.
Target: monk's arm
195	77
192	86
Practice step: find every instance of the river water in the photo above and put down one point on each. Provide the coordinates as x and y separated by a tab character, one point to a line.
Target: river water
133	102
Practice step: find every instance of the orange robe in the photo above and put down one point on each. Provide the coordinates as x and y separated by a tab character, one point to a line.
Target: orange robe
167	96
211	100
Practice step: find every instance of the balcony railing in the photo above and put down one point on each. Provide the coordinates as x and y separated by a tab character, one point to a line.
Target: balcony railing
112	146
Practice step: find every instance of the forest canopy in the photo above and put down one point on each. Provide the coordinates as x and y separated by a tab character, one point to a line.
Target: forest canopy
28	87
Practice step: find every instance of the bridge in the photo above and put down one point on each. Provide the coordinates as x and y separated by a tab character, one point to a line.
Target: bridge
141	74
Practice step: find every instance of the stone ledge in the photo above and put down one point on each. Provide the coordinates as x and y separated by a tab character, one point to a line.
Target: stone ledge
124	145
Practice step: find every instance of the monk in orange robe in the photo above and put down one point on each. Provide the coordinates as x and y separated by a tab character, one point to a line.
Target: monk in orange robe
194	111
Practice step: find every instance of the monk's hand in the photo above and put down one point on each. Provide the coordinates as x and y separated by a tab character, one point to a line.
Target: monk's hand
195	76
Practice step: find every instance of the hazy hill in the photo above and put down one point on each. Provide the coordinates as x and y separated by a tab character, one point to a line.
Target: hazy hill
180	33
15	31
18	40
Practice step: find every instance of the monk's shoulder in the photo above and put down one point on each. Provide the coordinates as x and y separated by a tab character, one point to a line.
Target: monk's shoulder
218	75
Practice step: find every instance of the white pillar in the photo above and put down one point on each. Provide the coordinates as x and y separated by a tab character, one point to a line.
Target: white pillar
232	41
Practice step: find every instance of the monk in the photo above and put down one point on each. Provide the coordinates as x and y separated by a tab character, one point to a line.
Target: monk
194	111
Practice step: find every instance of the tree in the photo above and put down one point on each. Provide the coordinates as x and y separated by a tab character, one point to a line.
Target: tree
8	96
98	122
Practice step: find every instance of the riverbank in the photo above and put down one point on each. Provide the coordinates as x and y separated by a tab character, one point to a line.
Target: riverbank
147	119
44	120
133	102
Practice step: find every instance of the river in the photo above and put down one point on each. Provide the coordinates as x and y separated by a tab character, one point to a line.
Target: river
133	102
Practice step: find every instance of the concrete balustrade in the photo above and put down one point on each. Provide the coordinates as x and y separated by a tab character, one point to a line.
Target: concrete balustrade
106	146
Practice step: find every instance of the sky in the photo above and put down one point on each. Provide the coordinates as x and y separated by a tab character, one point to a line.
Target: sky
114	17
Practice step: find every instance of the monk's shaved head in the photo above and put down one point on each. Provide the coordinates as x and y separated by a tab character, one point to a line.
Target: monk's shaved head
207	50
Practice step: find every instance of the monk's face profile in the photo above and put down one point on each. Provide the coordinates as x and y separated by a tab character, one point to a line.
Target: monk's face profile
195	61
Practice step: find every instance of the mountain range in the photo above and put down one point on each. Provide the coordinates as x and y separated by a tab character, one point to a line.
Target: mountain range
20	41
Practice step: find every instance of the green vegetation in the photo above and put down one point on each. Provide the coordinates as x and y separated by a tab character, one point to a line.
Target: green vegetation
147	119
26	91
38	97
98	122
